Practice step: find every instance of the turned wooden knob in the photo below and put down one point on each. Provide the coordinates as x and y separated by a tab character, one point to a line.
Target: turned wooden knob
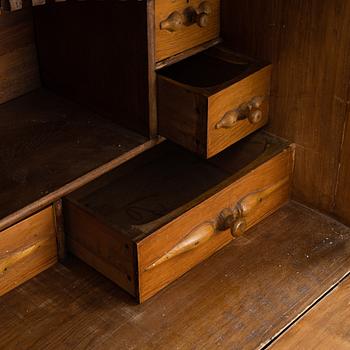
172	23
204	10
250	111
229	120
255	115
203	20
239	227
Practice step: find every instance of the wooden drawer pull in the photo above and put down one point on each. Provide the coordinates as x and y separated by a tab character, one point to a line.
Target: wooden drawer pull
173	22
189	17
230	218
196	238
235	218
250	111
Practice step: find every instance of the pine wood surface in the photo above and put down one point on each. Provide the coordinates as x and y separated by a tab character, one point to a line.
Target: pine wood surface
18	61
325	327
171	43
308	44
238	299
47	142
26	249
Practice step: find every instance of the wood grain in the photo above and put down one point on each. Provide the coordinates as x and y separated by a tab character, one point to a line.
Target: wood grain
18	61
195	94
238	299
308	44
162	241
27	249
325	327
257	84
171	43
342	195
51	146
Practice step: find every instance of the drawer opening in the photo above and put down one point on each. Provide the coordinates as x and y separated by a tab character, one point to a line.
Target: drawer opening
213	67
157	186
198	70
155	217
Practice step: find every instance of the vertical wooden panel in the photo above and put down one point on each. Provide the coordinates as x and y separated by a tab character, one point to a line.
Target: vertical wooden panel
18	61
308	42
342	207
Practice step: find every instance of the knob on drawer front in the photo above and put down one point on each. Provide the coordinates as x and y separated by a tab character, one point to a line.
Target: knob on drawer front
188	17
248	111
233	219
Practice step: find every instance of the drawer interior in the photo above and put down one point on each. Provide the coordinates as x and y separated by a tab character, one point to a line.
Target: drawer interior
164	182
212	68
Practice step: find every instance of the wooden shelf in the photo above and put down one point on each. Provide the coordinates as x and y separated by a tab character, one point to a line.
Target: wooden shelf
242	297
50	146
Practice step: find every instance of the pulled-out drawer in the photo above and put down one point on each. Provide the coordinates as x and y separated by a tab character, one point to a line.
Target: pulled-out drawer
213	99
26	249
149	221
183	24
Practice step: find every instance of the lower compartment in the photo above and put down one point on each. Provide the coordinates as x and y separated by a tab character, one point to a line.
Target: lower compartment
243	297
154	218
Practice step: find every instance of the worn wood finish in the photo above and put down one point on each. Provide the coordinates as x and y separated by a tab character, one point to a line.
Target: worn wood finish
239	298
26	249
325	327
100	60
46	144
170	43
159	224
18	62
195	94
308	44
161	243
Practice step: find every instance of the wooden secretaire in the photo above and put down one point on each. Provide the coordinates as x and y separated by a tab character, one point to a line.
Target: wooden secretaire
131	137
117	78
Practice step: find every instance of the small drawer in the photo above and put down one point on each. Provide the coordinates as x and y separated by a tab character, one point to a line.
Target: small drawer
152	219
213	99
183	24
26	249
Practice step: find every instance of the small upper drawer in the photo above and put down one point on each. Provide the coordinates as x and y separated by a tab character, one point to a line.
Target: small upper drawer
183	24
152	219
213	99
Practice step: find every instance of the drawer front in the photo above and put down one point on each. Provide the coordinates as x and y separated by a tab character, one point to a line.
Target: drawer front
237	100
26	249
175	32
192	237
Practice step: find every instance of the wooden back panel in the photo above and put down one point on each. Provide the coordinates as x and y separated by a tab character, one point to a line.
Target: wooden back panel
18	62
96	54
308	43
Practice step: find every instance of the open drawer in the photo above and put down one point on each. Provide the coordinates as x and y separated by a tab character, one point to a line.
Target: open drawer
213	99
152	219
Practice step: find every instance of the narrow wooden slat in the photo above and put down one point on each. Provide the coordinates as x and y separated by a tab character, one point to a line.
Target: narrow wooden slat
324	327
